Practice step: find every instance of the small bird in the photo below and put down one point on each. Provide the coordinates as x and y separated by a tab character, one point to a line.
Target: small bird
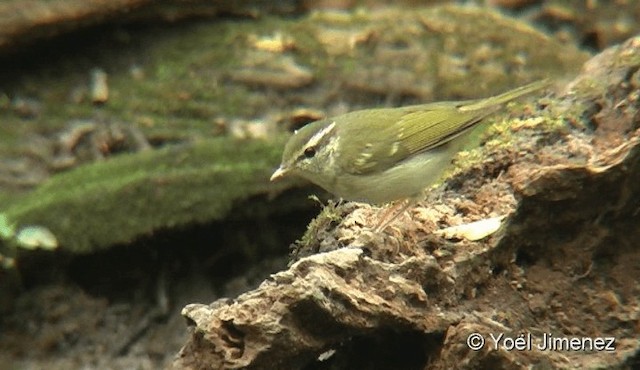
386	154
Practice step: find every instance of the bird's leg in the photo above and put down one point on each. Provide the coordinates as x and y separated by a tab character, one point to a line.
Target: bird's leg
391	213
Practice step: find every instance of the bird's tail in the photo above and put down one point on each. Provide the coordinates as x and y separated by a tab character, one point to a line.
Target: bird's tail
506	96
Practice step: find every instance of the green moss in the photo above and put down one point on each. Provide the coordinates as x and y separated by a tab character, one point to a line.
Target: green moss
184	69
329	213
118	200
499	133
180	87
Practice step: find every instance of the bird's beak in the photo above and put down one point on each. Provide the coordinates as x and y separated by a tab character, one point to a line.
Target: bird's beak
280	172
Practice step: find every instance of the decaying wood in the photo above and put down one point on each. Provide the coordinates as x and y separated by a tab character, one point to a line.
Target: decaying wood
565	263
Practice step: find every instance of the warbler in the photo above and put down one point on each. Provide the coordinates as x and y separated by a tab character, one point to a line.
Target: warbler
385	154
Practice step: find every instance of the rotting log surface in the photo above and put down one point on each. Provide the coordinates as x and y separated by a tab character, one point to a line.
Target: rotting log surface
566	261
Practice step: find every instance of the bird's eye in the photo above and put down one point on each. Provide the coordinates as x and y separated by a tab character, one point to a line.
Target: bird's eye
310	152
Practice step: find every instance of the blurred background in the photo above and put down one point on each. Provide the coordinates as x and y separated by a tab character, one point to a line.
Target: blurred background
137	139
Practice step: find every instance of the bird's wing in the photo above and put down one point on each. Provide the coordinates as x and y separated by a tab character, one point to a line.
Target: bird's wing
401	133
